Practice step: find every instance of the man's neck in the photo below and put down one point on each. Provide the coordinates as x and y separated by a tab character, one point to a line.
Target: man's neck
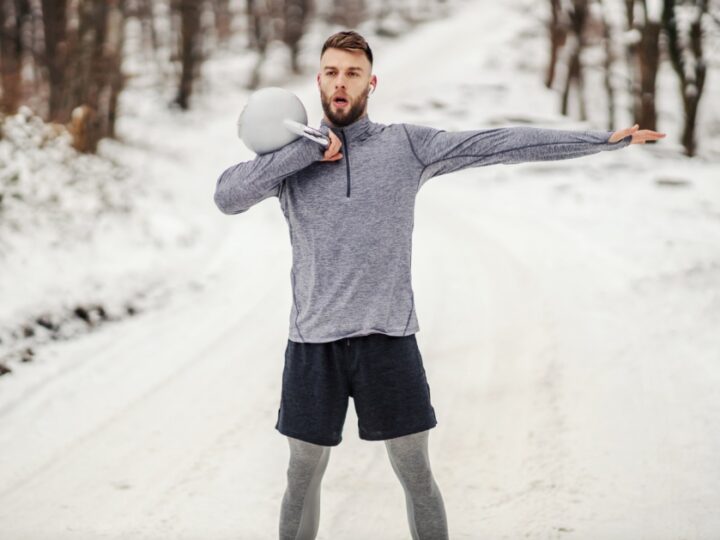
327	120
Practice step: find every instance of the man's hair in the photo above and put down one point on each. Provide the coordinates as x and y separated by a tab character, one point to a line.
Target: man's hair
348	40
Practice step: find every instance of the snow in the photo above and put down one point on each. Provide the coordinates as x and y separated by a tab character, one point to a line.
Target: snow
568	313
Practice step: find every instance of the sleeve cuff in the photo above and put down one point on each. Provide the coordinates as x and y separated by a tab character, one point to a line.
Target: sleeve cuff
622	143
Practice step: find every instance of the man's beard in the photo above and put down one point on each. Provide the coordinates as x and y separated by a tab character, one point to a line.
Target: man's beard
345	116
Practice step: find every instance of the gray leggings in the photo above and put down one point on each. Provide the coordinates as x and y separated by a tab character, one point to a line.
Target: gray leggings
300	512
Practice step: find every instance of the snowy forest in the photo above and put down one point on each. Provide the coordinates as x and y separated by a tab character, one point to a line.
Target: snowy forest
569	310
64	59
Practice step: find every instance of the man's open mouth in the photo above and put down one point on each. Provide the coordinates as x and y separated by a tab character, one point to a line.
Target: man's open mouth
340	101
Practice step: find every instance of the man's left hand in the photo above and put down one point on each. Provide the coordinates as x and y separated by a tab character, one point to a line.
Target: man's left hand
639	136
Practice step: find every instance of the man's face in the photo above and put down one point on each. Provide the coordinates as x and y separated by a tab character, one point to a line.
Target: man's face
344	74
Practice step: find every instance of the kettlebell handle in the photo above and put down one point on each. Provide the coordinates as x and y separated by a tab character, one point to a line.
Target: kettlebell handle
307	132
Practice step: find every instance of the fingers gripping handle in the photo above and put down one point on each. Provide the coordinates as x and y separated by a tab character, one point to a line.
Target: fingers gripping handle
307	132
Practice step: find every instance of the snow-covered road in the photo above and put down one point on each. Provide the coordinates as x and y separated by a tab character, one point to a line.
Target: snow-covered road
568	313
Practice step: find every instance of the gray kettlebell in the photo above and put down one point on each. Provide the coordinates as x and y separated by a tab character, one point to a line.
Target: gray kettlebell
274	117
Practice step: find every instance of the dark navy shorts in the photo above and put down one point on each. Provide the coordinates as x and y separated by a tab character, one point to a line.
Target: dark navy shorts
383	374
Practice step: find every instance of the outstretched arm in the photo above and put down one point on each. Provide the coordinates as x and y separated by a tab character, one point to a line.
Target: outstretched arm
442	152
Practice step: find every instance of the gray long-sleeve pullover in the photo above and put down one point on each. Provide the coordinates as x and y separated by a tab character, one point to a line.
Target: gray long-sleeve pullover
351	220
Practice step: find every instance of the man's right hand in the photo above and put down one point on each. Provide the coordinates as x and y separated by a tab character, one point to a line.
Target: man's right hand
332	153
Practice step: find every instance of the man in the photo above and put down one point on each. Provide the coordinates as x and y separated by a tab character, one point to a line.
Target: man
352	323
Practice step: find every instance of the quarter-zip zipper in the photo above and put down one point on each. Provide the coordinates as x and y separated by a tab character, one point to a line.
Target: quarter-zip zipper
347	160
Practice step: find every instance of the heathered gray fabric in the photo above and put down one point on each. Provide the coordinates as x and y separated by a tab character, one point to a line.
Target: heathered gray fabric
351	220
423	501
300	510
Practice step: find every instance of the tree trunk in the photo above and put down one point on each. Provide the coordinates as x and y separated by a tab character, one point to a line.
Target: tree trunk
89	73
143	10
190	11
558	33
115	45
608	64
295	18
643	61
578	18
96	66
648	62
573	79
631	56
14	14
259	25
54	14
223	19
689	64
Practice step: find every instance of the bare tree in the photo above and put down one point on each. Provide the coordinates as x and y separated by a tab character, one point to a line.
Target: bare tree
608	65
13	17
115	81
578	16
558	28
643	55
190	11
223	19
96	67
258	14
143	11
685	46
295	19
54	13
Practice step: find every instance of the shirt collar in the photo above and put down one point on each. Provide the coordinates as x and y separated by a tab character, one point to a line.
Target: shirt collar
358	130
